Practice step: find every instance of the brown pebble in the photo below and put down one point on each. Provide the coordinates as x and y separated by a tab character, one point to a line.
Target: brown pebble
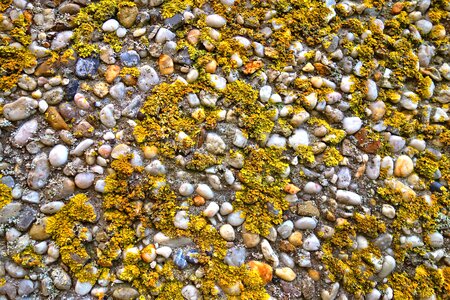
129	80
252	66
55	120
37	232
211	67
47	68
314	274
397	8
111	73
193	36
165	64
296	239
199	200
287	247
84	128
291	189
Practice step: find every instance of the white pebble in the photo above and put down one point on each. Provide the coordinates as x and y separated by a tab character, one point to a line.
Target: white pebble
227	232
215	21
110	25
186	189
211	210
351	124
58	156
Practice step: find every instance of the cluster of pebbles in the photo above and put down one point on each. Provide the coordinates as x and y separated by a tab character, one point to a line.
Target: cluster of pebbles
358	109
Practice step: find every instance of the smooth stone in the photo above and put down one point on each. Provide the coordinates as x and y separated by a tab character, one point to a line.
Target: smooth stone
38	175
25	287
436	240
235	256
181	220
20	109
14	270
58	156
61	279
190	292
312	188
147	79
344	178
110	25
286	273
268	253
285	229
306	223
205	191
130	58
351	124
311	243
107	116
52	207
227	232
186	189
215	21
87	67
125	293
83	288
211	210
389	265
300	137
84	180
403	166
25	132
120	150
348	197
235	218
61	40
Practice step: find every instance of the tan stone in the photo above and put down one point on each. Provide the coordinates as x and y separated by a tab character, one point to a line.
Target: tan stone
287	274
403	166
193	36
37	232
211	66
111	73
296	238
53	117
250	239
165	64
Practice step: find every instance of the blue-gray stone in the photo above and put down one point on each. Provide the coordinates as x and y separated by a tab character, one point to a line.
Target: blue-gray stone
180	260
130	58
235	257
192	256
87	67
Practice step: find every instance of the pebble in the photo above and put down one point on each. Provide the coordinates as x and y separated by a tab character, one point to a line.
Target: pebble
190	292
285	229
186	189
312	188
125	293
164	251
227	232
300	137
107	116
110	25
58	156
179	259
38	175
388	211
87	67
211	210
14	270
436	240
306	223
264	270
181	220
52	207
83	288
165	63
84	180
147	78
348	197
61	40
286	273
235	257
372	90
403	166
389	265
215	21
205	191
20	109
25	132
25	287
351	124
268	253
311	243
130	58
120	150
235	218
61	279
